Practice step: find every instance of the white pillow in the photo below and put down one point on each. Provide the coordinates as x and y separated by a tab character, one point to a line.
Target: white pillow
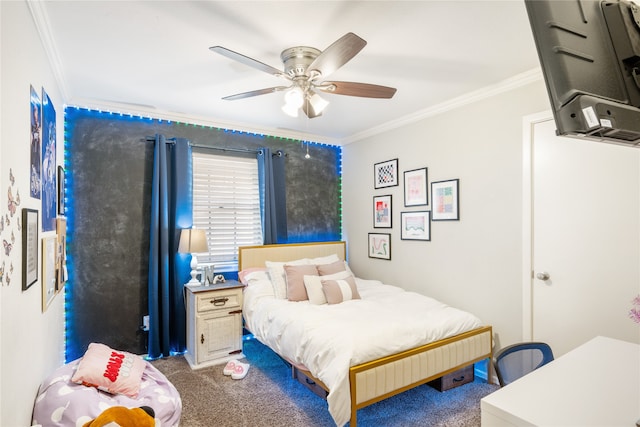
313	285
278	277
329	259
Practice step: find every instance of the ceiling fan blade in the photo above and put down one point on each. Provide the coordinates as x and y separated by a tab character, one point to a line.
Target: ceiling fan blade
255	93
247	61
308	109
339	53
364	90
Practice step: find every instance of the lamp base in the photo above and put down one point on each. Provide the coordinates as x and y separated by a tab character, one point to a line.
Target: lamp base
194	270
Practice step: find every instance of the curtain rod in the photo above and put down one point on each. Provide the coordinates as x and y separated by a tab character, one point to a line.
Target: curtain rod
239	150
166	140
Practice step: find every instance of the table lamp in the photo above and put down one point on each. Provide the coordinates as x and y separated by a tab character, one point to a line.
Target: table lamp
193	241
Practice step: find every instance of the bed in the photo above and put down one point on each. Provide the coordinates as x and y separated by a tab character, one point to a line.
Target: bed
351	348
60	402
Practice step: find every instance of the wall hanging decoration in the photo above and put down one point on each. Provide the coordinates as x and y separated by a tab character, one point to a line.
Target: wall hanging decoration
415	187
382	211
380	245
35	158
61	261
60	190
29	247
415	225
49	253
386	174
444	200
48	188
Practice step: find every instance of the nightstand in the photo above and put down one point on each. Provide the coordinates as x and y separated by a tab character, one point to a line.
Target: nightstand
214	323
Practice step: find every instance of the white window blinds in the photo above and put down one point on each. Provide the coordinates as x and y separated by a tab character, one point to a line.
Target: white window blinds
226	203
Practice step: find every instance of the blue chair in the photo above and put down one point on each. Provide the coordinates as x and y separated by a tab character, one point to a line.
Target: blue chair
517	360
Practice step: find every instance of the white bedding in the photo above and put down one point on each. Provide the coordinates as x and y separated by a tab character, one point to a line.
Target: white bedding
328	339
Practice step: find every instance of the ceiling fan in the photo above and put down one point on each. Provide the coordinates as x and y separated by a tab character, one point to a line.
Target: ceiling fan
306	69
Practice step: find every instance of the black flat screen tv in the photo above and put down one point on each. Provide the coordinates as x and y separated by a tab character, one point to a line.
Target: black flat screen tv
589	53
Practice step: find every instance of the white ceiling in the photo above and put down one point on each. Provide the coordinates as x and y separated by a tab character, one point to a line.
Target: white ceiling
153	57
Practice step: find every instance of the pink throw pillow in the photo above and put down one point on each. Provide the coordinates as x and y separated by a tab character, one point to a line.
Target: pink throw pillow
295	280
116	372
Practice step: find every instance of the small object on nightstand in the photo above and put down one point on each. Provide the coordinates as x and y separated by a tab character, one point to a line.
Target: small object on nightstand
218	279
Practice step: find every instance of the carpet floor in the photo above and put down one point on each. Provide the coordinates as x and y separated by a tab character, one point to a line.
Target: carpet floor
269	396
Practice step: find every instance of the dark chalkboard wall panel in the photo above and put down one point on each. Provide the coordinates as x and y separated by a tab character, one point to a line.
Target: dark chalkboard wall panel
109	169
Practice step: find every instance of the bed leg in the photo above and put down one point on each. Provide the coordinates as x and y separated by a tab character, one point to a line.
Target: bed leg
353	422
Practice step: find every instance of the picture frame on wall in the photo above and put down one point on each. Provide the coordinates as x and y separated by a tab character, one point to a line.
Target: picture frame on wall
49	270
415	225
380	245
29	247
382	211
61	261
61	205
385	174
415	187
445	200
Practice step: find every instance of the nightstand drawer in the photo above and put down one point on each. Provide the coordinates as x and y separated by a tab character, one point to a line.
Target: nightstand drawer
223	299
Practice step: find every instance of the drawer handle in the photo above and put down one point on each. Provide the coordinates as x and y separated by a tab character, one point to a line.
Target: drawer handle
219	301
309	381
457	380
201	338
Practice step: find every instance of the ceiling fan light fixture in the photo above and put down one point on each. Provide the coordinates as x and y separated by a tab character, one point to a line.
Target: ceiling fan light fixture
294	98
317	103
290	110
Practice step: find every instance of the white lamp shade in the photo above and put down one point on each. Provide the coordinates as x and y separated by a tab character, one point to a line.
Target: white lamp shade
193	240
317	103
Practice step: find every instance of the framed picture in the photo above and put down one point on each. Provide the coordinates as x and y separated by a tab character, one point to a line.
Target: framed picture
415	187
444	200
60	190
49	270
61	262
29	247
382	211
415	225
380	245
386	174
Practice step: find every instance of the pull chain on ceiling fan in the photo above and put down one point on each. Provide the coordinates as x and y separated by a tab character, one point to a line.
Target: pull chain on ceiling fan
306	69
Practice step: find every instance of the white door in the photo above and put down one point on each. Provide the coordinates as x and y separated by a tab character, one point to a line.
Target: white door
585	219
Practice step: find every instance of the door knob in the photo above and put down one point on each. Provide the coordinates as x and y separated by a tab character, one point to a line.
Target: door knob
543	275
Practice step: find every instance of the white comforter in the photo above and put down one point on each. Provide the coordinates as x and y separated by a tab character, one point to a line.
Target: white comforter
328	339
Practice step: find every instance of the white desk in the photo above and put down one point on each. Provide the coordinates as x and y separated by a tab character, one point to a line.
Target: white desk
596	384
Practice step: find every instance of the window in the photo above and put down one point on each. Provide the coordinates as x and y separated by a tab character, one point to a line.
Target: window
226	203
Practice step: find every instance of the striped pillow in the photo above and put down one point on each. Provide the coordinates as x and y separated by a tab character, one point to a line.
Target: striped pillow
337	291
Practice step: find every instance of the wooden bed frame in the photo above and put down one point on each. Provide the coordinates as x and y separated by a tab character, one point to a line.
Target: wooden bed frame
379	379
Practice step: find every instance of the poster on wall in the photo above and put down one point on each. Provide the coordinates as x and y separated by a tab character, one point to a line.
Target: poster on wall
35	160
49	190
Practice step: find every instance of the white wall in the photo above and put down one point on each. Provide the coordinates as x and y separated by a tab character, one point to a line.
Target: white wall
475	263
31	342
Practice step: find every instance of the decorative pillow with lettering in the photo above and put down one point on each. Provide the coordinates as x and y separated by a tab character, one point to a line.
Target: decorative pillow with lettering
295	280
113	371
340	290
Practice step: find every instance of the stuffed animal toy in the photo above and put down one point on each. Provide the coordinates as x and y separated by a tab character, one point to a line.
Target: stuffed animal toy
124	417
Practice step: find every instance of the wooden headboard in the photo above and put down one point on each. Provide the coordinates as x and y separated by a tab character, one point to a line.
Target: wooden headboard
255	256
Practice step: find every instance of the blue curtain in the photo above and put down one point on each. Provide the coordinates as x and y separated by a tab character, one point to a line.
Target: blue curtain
171	205
273	196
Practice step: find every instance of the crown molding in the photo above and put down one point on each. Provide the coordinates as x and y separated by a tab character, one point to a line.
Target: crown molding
41	19
511	83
